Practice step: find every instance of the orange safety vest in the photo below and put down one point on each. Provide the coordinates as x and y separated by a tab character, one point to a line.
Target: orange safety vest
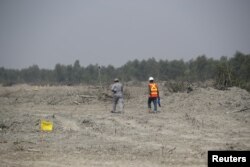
153	90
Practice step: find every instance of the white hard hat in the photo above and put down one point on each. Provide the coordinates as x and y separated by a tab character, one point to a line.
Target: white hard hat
151	79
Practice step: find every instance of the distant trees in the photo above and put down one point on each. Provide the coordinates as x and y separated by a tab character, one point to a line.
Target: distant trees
225	71
202	68
223	75
9	76
240	67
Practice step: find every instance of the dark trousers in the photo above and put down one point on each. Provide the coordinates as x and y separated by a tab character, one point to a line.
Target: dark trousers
154	100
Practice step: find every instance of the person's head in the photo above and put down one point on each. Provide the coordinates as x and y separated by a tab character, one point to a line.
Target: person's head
116	80
151	79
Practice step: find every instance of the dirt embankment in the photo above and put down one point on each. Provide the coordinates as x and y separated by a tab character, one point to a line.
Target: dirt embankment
87	134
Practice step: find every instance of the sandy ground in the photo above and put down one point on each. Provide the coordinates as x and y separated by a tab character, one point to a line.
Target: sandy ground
87	134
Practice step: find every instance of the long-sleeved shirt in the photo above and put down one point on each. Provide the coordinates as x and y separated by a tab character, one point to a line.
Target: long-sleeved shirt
117	89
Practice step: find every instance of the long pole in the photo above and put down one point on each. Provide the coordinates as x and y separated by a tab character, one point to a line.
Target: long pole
99	76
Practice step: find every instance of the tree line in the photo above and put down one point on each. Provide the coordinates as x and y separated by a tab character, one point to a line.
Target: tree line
234	71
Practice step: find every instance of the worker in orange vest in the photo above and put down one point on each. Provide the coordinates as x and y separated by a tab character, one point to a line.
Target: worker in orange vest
153	94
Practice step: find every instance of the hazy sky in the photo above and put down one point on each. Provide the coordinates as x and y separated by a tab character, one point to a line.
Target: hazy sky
46	32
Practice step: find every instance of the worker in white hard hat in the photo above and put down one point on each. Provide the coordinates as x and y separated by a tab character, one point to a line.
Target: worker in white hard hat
117	89
153	91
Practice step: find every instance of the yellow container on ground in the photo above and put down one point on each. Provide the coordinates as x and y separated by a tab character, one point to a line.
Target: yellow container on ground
46	125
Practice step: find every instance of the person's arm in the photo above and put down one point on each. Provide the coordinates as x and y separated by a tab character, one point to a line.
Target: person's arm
158	92
113	88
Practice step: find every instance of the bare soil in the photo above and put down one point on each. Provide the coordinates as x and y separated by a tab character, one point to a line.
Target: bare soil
86	133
